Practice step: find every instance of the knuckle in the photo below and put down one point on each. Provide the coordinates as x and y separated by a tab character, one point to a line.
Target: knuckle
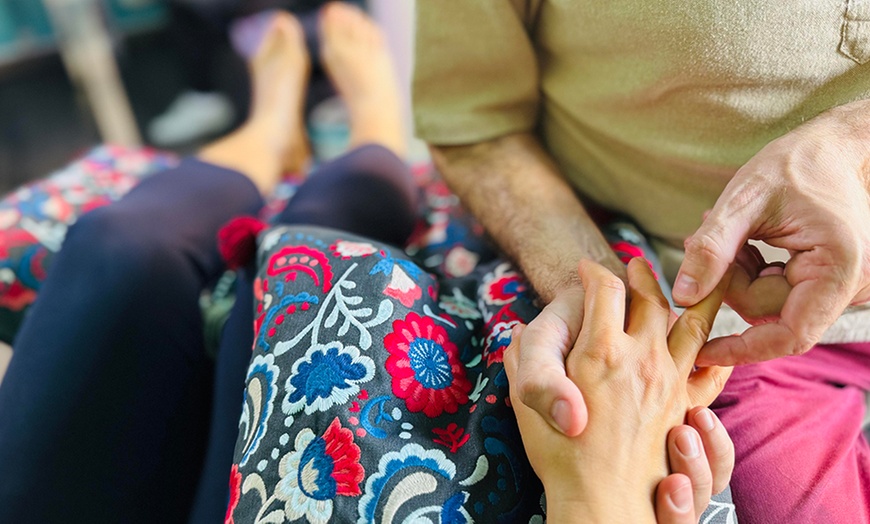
802	347
610	283
657	300
702	480
605	348
724	466
718	381
529	389
804	342
695	326
704	246
722	452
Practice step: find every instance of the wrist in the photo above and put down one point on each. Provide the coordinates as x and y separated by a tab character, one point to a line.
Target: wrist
563	509
850	123
549	281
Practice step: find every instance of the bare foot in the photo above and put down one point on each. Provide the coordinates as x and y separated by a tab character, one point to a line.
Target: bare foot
272	141
279	79
356	58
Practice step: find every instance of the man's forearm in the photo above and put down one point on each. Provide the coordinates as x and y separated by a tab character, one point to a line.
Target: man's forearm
515	190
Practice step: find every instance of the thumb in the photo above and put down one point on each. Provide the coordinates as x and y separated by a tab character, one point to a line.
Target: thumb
709	253
675	502
537	377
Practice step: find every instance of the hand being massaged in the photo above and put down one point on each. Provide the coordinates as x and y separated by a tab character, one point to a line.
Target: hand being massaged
650	450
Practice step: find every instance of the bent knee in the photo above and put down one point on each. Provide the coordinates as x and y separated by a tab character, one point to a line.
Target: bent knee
110	241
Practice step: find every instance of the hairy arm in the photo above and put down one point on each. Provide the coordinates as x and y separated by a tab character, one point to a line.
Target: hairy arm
515	190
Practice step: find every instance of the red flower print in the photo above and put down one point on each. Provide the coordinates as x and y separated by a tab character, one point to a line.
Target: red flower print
347	472
425	367
295	260
626	252
403	288
503	286
16	296
452	436
12	238
235	493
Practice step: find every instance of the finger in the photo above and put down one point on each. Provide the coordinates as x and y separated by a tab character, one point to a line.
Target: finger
819	295
686	456
604	310
672	319
705	384
691	330
649	310
711	250
538	360
774	268
750	259
717	445
758	300
810	308
674	501
526	416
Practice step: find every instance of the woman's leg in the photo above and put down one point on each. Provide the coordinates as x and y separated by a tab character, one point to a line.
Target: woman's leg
103	411
369	191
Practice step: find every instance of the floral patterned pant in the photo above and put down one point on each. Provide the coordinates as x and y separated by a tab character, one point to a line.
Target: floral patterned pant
376	391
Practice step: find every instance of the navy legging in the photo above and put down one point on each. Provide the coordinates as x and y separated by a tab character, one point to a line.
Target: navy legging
110	410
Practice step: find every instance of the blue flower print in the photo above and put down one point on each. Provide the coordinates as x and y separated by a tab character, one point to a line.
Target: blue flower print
260	393
397	484
430	364
326	376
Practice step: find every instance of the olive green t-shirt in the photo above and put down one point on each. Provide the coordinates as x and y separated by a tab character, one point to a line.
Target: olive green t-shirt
648	106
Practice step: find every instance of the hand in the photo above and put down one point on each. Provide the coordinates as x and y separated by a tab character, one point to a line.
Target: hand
806	192
696	474
637	385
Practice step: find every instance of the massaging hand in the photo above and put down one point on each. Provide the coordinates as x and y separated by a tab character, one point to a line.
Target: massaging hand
806	192
638	383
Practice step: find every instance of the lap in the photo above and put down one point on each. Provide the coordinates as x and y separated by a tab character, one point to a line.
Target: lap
797	427
376	389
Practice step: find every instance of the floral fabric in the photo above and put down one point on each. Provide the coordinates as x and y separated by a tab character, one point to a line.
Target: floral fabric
376	391
34	219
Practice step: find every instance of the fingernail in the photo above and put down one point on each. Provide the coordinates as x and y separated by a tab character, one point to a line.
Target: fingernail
561	413
682	498
704	420
688	445
685	287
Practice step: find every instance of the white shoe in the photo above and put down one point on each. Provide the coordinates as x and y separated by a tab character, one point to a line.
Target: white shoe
192	115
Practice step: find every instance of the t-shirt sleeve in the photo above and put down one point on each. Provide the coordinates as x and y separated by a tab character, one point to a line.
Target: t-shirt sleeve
476	74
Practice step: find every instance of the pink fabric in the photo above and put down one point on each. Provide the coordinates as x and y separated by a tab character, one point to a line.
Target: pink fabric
796	426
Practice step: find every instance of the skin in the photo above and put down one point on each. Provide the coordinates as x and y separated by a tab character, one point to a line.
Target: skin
355	57
514	189
279	71
638	382
272	140
806	192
